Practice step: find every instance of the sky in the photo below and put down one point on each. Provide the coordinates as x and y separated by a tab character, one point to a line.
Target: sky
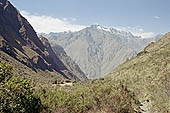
142	17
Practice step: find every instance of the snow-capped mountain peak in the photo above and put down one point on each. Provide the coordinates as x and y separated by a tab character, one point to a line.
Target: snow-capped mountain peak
103	28
112	30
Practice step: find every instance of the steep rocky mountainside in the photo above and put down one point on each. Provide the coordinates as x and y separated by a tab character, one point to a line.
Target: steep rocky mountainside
58	52
97	49
148	75
19	42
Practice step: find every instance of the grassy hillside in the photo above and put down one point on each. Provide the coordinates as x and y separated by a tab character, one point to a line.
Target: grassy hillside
141	84
148	75
17	95
26	72
20	44
92	96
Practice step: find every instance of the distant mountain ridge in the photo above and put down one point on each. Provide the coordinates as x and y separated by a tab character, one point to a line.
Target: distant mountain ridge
97	49
148	75
58	51
20	44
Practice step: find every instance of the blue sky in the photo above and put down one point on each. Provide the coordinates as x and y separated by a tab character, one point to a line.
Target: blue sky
148	15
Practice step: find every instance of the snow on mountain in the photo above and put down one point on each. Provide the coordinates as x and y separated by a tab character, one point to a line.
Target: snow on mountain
98	49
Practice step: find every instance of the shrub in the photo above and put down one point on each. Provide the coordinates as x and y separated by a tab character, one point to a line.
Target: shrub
96	97
5	72
16	94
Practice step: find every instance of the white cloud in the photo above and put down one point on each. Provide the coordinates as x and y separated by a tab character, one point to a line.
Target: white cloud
47	24
157	17
65	19
73	19
137	31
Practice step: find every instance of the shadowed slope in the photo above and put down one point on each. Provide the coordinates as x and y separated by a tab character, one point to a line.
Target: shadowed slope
19	40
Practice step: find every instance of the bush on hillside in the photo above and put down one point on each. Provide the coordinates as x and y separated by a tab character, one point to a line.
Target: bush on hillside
96	98
16	93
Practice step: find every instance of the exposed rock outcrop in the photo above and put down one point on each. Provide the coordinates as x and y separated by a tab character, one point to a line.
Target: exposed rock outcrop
97	49
19	41
57	51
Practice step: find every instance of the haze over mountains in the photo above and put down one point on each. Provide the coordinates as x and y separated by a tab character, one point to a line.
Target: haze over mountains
138	79
59	52
148	75
20	46
97	49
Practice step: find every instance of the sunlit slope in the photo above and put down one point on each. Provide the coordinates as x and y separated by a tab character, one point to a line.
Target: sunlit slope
148	75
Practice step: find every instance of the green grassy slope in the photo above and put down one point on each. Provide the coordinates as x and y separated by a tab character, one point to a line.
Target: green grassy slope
148	75
38	76
91	96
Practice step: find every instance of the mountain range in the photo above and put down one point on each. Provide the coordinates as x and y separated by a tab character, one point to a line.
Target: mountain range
58	51
98	49
21	47
137	70
148	75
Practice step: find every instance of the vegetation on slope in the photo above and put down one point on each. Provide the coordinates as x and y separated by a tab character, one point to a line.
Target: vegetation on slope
18	96
38	76
145	78
148	75
94	96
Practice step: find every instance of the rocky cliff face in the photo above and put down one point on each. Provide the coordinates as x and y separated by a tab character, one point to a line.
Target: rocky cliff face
56	52
68	62
97	49
19	41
